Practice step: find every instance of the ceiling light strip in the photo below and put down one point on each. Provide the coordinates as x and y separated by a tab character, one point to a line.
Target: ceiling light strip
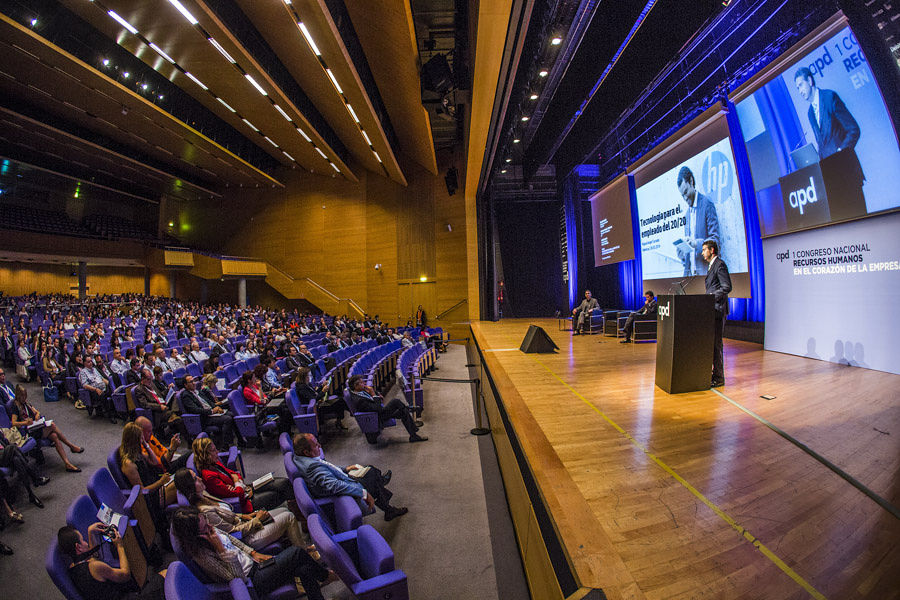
122	21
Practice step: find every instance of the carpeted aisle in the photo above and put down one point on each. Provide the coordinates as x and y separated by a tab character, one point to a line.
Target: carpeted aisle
445	544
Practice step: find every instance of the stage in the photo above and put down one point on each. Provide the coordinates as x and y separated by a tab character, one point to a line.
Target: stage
616	485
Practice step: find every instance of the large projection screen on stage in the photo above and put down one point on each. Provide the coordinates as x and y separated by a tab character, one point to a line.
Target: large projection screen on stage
612	226
820	142
831	293
687	191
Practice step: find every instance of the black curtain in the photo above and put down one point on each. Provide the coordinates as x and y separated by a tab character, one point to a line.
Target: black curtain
529	248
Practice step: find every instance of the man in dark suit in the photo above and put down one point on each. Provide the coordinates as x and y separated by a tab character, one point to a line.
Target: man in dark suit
195	404
646	313
701	223
365	400
581	314
836	130
146	396
718	283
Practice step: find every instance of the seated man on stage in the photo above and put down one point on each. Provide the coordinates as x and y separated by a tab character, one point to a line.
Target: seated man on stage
581	314
646	313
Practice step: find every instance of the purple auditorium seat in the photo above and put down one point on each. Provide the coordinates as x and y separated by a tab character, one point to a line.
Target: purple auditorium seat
339	513
57	565
370	575
245	420
305	418
368	421
181	584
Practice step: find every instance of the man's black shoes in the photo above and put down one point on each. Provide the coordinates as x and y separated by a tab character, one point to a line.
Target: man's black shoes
417	438
393	512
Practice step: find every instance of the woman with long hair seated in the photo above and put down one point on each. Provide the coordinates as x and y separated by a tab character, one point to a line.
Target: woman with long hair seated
97	579
24	415
259	528
144	469
222	482
223	558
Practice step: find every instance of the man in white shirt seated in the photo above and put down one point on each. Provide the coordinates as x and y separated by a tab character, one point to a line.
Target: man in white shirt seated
197	354
119	365
90	379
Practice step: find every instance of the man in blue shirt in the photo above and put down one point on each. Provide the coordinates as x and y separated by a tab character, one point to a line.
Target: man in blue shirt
325	479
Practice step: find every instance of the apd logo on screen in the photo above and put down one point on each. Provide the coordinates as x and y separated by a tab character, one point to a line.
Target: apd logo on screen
805	198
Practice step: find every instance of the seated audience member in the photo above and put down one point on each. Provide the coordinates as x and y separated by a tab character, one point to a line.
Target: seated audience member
222	482
259	528
164	455
241	353
11	457
175	361
90	379
305	357
581	314
222	558
322	478
159	384
306	392
270	379
76	364
119	365
292	362
146	396
193	402
133	375
212	365
7	393
146	471
646	313
51	367
10	514
196	355
95	579
25	356
161	361
24	414
406	341
367	401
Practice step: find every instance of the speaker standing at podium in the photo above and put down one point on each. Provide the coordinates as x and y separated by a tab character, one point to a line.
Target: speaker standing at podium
718	283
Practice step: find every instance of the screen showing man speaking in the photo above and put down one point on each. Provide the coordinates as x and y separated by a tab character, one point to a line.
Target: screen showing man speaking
696	200
821	145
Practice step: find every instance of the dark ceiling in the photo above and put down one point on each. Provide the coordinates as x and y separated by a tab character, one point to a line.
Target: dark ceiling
607	54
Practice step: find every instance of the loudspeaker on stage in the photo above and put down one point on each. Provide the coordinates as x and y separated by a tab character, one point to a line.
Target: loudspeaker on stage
537	340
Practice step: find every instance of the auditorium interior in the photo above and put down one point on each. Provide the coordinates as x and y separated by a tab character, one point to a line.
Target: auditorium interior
494	299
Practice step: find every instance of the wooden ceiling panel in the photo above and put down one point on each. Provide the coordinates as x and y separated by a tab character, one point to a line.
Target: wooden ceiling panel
162	24
38	72
386	32
275	22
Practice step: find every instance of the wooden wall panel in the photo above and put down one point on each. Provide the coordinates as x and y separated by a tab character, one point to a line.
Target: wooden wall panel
17	279
381	247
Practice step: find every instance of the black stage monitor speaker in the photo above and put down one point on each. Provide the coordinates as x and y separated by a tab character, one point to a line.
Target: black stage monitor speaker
436	74
537	340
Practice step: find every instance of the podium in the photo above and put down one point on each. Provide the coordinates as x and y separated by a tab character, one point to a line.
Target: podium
684	347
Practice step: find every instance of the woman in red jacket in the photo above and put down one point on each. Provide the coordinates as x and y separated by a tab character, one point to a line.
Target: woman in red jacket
222	482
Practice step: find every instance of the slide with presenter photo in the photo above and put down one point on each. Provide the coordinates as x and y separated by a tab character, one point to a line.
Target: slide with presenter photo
695	200
821	145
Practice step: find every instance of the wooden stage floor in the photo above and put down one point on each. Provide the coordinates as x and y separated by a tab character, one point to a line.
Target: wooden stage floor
689	496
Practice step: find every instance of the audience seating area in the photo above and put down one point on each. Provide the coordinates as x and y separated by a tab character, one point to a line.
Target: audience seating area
24	218
359	556
99	226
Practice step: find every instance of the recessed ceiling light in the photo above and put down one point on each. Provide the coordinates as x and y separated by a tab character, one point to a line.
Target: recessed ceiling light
105	62
334	81
524	118
122	21
509	160
334	166
303	133
366	136
126	74
377	156
319	150
183	11
533	97
195	80
251	125
516	141
309	39
283	114
556	41
503	170
288	155
352	113
221	50
162	53
268	139
543	73
256	85
225	104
